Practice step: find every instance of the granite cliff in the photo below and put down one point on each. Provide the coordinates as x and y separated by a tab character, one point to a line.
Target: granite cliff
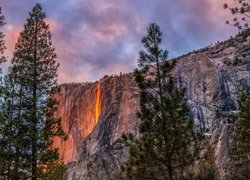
94	115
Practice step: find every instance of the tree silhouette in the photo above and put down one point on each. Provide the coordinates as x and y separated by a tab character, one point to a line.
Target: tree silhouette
169	141
239	166
241	13
2	42
28	108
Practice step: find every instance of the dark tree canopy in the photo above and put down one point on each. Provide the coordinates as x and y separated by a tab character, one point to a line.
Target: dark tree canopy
168	140
28	107
2	42
239	166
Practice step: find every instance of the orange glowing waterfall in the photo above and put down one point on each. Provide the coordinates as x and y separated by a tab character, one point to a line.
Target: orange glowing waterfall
98	106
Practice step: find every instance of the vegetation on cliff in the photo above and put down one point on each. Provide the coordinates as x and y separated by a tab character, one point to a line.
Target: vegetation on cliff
168	147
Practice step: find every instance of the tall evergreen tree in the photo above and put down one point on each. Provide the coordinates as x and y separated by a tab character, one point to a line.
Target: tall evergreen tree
2	42
168	142
12	129
30	86
2	59
239	166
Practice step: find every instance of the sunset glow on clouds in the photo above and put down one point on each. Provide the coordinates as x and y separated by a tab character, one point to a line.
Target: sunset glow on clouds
98	37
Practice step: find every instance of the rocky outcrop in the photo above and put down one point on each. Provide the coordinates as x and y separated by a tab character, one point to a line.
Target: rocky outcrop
77	106
94	115
214	78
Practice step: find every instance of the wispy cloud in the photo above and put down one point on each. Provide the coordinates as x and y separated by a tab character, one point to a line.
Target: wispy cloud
94	38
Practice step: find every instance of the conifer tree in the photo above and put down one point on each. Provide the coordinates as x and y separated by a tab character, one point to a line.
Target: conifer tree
168	141
2	42
12	129
33	79
239	167
2	59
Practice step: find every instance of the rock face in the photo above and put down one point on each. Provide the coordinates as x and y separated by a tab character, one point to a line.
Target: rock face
94	115
77	110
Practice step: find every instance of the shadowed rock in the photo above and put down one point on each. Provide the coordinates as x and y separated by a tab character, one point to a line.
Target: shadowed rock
213	80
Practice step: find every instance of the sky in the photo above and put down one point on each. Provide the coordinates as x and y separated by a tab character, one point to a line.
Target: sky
98	37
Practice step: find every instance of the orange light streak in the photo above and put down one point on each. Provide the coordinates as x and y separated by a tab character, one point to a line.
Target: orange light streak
98	106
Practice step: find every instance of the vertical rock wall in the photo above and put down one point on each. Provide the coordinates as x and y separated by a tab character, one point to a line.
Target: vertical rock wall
214	77
77	110
106	108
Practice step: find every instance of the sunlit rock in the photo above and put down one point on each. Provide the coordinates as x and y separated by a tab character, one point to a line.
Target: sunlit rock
94	115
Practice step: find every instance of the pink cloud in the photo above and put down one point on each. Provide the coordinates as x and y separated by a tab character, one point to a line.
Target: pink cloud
11	36
94	38
111	32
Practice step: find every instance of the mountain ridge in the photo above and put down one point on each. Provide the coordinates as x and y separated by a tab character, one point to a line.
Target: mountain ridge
214	78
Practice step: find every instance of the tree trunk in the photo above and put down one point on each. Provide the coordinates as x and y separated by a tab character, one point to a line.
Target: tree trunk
170	173
34	111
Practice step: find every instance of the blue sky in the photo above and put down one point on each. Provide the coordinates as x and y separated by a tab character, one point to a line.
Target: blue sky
97	37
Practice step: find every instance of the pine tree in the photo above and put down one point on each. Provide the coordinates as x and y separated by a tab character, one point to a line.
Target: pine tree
239	167
241	13
168	143
31	85
2	42
12	129
2	59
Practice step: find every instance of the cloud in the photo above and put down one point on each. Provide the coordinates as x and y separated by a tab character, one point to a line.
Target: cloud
94	38
96	43
191	24
11	36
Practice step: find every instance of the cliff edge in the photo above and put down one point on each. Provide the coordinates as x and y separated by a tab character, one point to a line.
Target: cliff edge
94	115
